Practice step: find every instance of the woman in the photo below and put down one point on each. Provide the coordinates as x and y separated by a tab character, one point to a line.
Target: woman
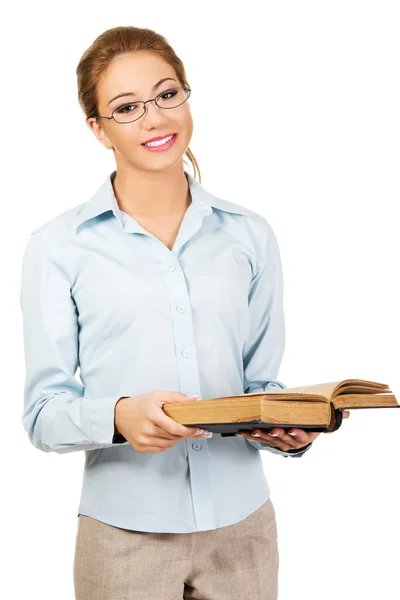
159	291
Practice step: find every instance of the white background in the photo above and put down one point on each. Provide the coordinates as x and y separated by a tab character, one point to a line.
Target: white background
296	116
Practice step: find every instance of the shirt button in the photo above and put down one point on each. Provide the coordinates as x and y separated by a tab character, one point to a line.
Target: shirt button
180	308
171	267
186	353
196	446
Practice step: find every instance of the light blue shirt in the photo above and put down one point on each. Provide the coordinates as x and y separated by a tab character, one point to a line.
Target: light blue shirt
101	293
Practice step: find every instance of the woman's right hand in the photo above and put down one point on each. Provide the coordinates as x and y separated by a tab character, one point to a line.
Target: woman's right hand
144	424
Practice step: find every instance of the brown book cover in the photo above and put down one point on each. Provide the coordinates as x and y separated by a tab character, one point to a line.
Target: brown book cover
316	407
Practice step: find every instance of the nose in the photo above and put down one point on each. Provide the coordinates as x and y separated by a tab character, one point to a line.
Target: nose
154	111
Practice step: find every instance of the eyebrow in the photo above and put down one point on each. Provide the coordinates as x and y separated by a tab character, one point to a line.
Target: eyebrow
133	93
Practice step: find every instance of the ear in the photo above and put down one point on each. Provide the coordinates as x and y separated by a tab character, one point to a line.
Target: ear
99	132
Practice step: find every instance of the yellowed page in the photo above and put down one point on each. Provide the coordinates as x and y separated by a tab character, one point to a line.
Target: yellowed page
324	389
333	388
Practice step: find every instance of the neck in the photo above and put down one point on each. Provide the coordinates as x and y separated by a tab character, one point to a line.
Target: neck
152	194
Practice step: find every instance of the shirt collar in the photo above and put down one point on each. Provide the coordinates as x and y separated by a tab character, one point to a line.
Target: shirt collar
104	200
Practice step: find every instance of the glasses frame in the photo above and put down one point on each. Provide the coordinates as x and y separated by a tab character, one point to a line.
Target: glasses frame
144	102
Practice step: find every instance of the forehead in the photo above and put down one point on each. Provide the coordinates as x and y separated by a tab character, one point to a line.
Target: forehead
137	70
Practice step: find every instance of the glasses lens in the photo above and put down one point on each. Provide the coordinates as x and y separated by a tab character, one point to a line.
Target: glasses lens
172	98
129	112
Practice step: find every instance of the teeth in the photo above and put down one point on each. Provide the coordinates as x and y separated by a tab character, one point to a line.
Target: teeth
160	142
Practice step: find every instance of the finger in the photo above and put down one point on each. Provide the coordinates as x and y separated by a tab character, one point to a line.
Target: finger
159	432
295	438
171	426
273	441
149	440
291	441
151	449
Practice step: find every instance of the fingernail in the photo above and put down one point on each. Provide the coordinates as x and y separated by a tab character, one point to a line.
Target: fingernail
293	434
273	434
199	431
256	435
209	434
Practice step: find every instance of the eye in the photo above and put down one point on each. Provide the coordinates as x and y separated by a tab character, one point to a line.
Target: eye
122	110
173	92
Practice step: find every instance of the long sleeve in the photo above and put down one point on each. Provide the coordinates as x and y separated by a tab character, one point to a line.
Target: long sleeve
57	416
265	346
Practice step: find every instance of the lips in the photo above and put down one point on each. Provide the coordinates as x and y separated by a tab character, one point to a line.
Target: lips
161	146
155	139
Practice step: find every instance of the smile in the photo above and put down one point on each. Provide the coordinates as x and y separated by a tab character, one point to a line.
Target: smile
161	145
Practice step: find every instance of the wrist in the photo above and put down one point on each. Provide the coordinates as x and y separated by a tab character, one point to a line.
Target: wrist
118	437
296	450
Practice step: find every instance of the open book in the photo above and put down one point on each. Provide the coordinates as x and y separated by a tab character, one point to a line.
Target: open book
315	407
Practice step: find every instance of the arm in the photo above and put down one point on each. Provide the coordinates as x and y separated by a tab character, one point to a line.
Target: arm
263	351
57	417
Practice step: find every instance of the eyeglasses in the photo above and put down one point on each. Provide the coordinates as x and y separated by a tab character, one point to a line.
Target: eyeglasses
170	99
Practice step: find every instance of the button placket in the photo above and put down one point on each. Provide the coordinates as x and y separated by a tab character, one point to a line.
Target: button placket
187	371
181	331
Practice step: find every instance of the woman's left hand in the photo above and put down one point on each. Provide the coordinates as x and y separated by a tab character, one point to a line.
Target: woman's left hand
283	439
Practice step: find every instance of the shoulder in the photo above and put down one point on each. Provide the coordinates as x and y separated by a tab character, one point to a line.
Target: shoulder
226	208
58	228
242	219
48	240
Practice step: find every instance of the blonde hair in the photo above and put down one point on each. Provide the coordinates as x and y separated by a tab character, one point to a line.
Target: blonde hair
111	43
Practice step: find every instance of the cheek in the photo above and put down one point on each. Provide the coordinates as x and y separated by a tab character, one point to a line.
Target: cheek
189	121
185	128
184	123
189	125
123	142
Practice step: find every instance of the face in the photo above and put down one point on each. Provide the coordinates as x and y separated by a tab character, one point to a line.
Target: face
137	73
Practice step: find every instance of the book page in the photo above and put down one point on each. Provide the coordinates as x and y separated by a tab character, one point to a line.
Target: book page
323	389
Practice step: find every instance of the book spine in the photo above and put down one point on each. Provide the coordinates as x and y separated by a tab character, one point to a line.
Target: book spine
336	421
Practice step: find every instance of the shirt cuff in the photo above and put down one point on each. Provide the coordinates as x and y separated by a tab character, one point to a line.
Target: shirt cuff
103	421
118	438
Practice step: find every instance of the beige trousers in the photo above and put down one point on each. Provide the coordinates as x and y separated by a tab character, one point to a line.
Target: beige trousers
237	562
